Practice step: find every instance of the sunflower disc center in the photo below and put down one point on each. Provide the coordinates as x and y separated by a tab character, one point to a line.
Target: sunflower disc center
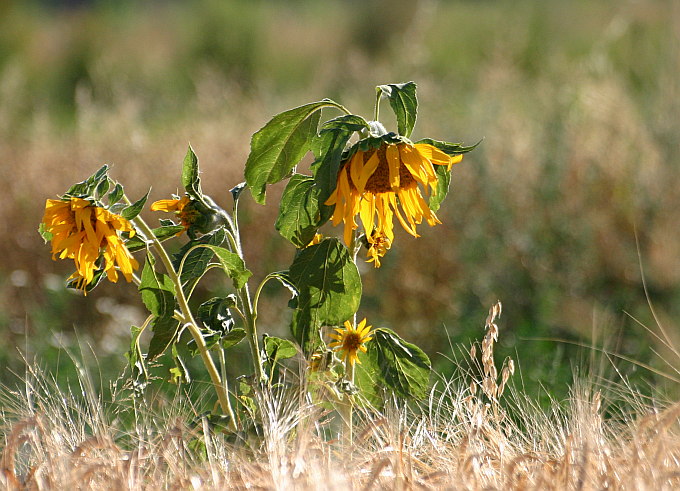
379	182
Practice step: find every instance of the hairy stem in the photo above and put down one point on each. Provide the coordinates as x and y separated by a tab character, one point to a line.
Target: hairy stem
248	312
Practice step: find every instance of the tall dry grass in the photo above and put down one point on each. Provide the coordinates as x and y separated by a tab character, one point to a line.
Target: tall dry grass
473	432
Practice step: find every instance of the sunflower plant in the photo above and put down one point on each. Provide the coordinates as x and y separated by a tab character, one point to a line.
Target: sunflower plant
362	177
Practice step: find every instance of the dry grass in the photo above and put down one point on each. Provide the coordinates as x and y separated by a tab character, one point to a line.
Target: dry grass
467	435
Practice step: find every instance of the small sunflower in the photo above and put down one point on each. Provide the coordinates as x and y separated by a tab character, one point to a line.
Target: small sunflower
179	206
383	179
85	233
350	339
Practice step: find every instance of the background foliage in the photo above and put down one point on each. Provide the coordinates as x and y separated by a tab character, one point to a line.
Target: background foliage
577	102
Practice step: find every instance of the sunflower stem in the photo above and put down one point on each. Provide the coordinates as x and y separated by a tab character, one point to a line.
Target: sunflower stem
249	310
189	322
376	111
346	410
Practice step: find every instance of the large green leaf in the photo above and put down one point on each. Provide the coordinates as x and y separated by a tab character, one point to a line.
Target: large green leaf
158	294
393	364
449	148
300	212
130	212
215	314
190	179
196	259
158	291
403	100
329	289
233	265
116	194
443	182
444	174
88	187
280	145
164	332
279	349
162	233
328	148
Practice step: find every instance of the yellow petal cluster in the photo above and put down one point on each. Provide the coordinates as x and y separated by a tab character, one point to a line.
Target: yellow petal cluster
179	207
84	232
384	182
350	339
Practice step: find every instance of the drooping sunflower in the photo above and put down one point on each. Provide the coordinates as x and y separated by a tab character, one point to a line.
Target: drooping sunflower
179	206
350	339
382	179
85	233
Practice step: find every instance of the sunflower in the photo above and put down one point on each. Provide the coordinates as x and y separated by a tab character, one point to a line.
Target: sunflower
84	232
350	339
179	206
383	179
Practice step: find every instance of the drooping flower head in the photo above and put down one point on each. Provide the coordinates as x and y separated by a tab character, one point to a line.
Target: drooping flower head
351	339
179	206
382	178
88	234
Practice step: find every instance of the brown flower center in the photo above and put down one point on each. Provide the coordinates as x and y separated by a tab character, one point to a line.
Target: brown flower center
379	182
352	341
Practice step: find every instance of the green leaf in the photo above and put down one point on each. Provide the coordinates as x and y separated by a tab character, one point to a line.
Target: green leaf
96	279
196	262
233	337
280	145
87	188
233	265
130	212
178	373
190	179
443	182
449	148
116	194
444	174
284	279
157	290
135	359
328	148
300	212
102	188
137	243
164	333
403	100
394	364
279	349
215	314
47	236
329	289
134	355
167	231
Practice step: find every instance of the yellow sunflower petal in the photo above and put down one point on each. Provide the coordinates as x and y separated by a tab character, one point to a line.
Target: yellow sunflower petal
393	162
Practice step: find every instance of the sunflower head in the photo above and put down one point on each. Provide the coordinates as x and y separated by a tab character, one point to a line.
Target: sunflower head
199	214
348	340
78	229
381	178
180	207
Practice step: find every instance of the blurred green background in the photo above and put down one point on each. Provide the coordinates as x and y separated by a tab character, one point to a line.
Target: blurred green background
577	102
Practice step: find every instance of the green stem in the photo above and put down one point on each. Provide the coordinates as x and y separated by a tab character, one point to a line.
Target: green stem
249	313
346	410
190	323
376	111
